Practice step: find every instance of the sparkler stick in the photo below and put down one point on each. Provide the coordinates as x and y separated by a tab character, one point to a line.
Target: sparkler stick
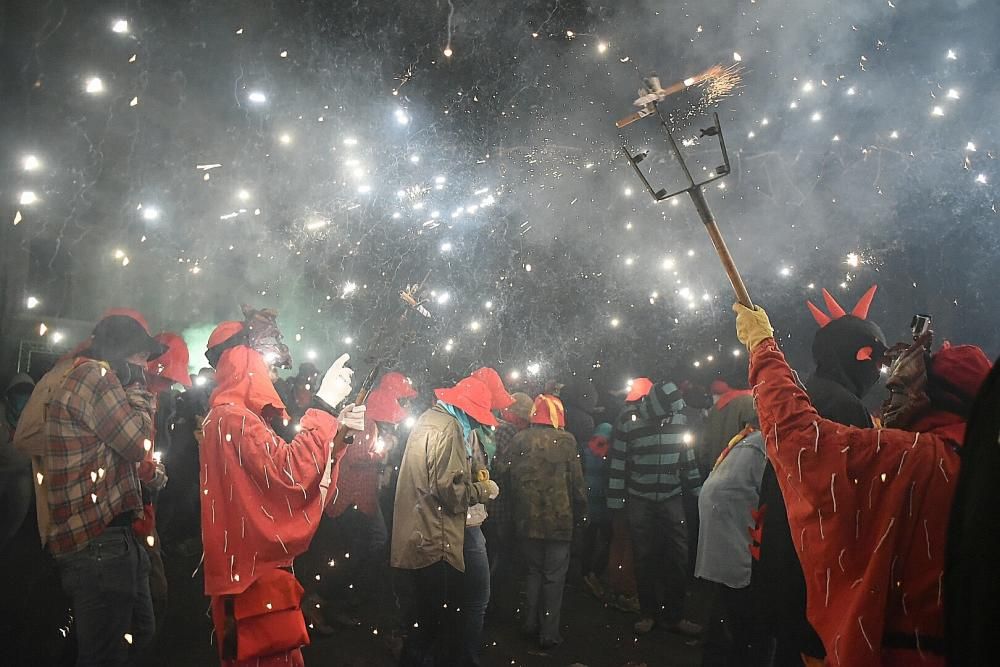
694	190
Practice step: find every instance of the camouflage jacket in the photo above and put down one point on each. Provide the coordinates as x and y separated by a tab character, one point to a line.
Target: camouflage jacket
547	488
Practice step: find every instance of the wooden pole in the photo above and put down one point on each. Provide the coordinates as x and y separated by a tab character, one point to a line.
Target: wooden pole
698	197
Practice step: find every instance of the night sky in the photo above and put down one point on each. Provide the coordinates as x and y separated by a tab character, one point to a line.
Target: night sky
318	157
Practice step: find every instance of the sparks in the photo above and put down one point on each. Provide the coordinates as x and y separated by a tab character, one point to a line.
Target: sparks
94	85
257	97
30	163
937	111
120	26
27	198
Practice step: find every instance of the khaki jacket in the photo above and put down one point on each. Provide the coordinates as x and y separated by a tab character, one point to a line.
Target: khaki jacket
433	495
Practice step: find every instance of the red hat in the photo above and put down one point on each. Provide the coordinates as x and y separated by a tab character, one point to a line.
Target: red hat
499	398
472	397
719	387
963	368
173	364
398	384
549	411
640	387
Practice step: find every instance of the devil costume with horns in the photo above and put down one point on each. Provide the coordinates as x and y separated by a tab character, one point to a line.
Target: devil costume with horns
868	507
847	351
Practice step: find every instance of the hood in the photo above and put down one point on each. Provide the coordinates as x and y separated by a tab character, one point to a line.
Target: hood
242	378
955	376
836	350
383	403
662	401
19	379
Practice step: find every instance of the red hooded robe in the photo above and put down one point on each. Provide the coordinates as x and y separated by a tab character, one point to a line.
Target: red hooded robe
261	497
868	510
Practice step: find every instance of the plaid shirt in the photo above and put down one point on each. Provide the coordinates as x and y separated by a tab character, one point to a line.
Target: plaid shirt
97	433
500	509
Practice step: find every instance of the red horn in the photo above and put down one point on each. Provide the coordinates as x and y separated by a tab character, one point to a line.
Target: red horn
836	311
822	319
861	310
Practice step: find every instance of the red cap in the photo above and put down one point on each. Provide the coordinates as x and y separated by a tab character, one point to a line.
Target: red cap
640	387
172	365
472	397
719	387
499	398
965	367
548	410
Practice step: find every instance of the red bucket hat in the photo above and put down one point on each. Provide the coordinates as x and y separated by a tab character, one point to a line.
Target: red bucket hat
640	387
472	397
173	364
499	398
548	411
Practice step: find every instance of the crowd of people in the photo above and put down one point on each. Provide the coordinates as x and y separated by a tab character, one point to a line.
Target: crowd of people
812	531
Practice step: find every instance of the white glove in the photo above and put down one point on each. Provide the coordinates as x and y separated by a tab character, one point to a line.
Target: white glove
159	478
353	417
492	490
336	385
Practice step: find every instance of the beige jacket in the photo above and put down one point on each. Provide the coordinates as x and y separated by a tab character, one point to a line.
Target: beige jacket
433	495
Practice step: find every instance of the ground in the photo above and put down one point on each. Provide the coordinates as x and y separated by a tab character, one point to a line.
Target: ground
596	636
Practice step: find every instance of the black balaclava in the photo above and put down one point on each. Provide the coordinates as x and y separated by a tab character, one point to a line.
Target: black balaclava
836	350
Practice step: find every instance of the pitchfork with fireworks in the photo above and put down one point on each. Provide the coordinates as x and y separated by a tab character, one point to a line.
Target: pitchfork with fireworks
717	82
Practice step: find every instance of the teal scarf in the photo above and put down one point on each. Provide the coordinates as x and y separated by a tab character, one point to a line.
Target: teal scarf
463	421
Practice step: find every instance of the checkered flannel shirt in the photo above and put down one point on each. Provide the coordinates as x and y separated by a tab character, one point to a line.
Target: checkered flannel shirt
97	432
501	511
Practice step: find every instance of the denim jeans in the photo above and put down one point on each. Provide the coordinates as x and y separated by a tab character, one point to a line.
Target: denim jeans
547	561
476	593
108	584
660	552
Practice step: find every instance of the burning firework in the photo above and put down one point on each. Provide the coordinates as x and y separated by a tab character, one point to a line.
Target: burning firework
717	83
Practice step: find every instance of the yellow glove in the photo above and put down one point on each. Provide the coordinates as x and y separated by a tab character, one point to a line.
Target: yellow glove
752	326
482	475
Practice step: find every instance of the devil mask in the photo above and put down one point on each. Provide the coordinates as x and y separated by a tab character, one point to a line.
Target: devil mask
848	349
907	384
259	332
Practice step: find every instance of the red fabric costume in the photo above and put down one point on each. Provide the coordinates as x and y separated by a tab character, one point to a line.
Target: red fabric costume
868	510
261	502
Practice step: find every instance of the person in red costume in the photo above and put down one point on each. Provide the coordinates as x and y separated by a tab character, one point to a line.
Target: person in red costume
262	497
868	507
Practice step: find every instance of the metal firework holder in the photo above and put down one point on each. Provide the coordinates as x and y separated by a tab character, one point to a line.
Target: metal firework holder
697	194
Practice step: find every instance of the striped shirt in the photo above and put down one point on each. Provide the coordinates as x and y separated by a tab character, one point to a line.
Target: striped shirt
97	432
649	458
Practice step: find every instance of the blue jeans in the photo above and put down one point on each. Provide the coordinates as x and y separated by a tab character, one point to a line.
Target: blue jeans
476	593
108	584
548	561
